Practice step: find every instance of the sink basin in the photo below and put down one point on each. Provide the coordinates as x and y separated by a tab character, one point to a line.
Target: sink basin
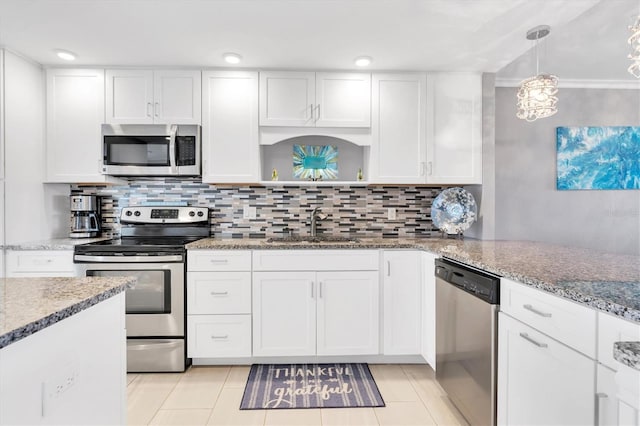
316	239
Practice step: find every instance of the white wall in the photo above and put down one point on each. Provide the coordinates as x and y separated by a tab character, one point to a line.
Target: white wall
33	211
527	204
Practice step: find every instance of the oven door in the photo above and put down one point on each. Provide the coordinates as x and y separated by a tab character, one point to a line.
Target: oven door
155	305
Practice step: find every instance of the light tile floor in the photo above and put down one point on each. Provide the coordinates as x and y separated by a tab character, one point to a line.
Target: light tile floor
211	396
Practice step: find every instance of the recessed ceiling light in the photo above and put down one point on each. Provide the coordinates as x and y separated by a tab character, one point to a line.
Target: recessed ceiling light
363	61
66	55
232	58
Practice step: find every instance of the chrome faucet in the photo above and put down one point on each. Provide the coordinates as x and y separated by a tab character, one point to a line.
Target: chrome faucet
316	215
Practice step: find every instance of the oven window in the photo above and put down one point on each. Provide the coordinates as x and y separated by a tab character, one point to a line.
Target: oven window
151	294
136	150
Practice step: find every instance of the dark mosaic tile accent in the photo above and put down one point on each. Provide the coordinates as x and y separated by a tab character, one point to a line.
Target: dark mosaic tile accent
360	211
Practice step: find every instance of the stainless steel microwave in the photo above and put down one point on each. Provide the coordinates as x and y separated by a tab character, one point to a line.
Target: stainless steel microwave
151	150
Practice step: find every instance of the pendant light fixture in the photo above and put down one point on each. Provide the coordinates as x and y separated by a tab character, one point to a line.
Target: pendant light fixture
634	42
537	95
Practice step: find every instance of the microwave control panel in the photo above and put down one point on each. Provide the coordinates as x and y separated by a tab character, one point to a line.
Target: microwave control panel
186	147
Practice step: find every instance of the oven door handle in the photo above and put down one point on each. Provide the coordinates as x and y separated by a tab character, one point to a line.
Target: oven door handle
127	259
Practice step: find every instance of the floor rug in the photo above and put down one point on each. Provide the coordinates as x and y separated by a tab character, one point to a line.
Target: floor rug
278	386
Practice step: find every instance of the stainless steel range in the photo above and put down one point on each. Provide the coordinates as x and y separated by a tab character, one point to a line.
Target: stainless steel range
151	248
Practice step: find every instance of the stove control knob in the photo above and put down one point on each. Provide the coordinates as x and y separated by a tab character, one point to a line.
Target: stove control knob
200	214
128	213
192	213
137	213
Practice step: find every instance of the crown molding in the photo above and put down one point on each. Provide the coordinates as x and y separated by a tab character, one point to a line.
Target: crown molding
568	83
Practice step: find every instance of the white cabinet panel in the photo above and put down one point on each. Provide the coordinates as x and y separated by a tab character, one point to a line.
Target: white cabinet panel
284	313
129	96
75	112
628	395
212	336
398	152
429	308
541	381
454	128
147	96
230	143
307	99
218	292
348	305
343	100
40	263
613	329
402	280
287	98
315	260
219	260
606	397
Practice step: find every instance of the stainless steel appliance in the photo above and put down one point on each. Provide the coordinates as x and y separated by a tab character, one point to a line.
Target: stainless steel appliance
466	339
151	248
85	216
151	150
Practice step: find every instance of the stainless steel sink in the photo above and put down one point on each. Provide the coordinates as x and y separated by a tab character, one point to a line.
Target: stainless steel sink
316	239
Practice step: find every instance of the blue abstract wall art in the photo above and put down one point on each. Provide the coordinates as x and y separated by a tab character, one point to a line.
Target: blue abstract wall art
315	162
598	157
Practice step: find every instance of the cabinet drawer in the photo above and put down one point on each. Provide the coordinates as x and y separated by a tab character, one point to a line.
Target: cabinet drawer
219	260
210	336
219	292
40	262
613	329
566	321
316	260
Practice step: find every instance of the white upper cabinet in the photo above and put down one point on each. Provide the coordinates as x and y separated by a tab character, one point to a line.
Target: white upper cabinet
146	96
75	111
307	99
398	151
454	128
230	144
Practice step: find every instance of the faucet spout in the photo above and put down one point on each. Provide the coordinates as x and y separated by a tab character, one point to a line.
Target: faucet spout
316	215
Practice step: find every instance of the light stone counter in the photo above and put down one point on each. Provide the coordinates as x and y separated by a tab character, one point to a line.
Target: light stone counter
53	244
604	281
627	353
28	305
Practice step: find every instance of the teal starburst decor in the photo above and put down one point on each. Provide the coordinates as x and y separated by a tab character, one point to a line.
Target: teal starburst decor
315	162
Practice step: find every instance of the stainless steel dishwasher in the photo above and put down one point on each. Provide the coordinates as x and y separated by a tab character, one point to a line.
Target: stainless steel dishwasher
467	339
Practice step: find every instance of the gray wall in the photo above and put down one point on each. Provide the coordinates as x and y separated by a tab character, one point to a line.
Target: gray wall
527	204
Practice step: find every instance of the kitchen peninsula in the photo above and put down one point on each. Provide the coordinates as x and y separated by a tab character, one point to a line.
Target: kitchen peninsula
62	350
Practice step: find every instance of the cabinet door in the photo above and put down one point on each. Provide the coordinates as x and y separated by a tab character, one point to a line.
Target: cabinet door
541	381
606	397
402	302
230	144
129	97
177	97
454	128
348	317
75	111
284	313
398	153
343	100
287	98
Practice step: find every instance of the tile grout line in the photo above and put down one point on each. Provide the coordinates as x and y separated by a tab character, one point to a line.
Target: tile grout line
424	404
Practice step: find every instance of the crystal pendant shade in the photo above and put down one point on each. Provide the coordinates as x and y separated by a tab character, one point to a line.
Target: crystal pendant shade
537	97
634	42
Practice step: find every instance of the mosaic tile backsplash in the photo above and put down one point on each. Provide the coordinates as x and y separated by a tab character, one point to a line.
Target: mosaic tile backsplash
352	210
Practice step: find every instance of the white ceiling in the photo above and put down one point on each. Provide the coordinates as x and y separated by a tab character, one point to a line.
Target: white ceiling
480	35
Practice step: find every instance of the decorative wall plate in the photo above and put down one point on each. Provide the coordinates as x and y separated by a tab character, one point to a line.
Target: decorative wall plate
454	210
315	162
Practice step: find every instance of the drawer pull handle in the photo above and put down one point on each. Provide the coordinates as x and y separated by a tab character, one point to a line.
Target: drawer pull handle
219	260
219	293
226	336
537	312
526	337
599	397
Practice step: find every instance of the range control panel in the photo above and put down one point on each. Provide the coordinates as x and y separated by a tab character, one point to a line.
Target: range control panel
158	214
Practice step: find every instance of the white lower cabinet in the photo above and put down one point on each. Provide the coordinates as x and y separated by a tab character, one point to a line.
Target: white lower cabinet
70	373
606	397
315	313
540	380
212	336
402	281
429	308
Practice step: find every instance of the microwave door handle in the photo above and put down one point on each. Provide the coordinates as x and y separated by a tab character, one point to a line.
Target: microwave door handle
172	149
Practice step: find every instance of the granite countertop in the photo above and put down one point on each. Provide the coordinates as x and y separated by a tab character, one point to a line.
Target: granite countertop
53	244
28	305
604	281
627	353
